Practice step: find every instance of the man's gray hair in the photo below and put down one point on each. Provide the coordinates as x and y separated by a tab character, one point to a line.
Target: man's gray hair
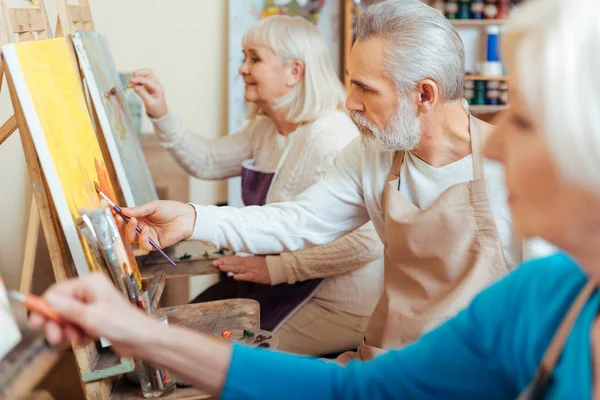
422	44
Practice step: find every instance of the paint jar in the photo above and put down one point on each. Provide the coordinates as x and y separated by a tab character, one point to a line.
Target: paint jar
492	96
451	9
503	9
477	8
504	93
439	5
154	381
469	91
464	9
491	9
493	43
480	90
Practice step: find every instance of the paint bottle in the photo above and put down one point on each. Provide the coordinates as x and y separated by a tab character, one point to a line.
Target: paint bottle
477	9
469	92
493	40
491	9
464	9
480	89
503	9
493	93
504	93
451	9
439	5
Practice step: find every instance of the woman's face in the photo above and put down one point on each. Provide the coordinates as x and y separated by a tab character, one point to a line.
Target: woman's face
542	201
267	76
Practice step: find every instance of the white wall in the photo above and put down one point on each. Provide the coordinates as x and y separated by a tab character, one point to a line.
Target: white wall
185	42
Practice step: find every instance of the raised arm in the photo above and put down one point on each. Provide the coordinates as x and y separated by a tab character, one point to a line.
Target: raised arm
203	158
327	210
321	214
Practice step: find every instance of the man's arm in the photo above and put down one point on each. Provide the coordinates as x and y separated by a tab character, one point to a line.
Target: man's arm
329	209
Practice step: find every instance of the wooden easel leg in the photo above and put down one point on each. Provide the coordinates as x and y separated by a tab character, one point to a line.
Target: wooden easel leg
8	129
31	241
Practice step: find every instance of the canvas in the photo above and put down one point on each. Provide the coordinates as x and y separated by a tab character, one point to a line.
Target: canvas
116	122
50	92
10	334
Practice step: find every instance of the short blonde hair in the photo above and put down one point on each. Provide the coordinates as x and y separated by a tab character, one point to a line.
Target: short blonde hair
552	48
293	38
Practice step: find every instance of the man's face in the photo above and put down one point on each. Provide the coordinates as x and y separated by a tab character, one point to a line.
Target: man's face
387	122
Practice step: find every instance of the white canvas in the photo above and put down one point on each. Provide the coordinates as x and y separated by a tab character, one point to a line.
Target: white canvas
10	335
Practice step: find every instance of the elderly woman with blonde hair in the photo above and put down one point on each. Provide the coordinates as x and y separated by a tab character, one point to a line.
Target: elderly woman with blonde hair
317	300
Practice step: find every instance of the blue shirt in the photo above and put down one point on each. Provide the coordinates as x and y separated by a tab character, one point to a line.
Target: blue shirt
490	350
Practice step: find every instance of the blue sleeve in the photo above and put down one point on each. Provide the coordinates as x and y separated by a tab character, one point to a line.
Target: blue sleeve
468	357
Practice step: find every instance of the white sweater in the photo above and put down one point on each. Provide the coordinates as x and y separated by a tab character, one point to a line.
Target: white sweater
352	265
350	195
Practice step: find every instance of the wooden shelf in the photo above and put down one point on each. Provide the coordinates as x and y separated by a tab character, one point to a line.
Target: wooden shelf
487	109
478	22
485	78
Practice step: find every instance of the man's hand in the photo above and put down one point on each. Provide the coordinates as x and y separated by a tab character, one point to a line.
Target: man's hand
165	222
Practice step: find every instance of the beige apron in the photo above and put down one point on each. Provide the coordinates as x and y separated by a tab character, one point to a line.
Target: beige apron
436	260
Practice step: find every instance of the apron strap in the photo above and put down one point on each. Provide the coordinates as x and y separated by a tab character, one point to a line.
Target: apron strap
396	165
476	150
557	344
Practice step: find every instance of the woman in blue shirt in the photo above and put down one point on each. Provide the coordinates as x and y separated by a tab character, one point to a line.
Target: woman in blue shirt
534	333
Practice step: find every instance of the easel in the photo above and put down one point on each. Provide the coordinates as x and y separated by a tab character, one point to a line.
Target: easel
28	24
32	24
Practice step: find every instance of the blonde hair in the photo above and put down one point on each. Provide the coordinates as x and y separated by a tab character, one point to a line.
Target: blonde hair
320	90
552	48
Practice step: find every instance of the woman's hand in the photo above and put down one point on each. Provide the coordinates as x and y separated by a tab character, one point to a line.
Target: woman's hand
91	308
151	91
165	222
251	269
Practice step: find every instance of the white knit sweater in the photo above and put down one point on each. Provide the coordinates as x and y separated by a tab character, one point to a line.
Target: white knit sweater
352	265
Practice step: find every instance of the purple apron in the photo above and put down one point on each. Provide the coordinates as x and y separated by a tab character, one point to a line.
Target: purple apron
277	302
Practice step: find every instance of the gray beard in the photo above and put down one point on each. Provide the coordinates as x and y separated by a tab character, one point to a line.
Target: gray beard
402	133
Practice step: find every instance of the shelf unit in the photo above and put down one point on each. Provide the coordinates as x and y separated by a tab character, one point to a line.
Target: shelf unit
477	22
485	78
486	109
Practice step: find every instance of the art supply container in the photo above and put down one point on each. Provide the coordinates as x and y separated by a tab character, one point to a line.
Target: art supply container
477	8
469	93
439	5
464	9
504	93
480	89
503	9
491	9
451	9
493	93
154	381
493	43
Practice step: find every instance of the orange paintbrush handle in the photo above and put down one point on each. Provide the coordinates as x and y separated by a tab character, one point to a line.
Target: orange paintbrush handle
36	304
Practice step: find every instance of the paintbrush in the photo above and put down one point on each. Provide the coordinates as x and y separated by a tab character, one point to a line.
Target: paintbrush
126	218
35	304
114	90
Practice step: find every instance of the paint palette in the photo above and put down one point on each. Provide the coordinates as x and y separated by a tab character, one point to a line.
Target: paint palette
250	337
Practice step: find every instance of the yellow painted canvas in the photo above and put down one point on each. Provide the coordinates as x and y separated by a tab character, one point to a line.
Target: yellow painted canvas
50	92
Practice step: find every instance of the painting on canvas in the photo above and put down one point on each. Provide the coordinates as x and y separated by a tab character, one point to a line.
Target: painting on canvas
118	127
10	334
49	90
